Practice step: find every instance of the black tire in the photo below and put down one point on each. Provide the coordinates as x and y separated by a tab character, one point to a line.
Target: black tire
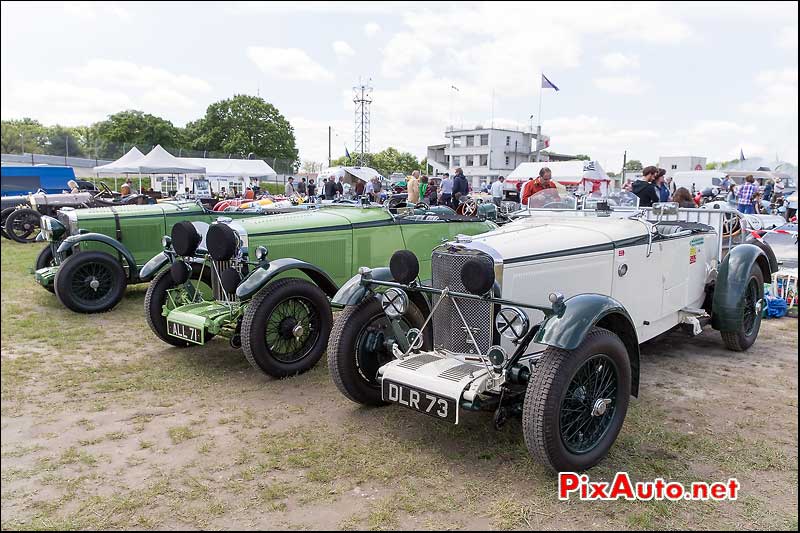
156	297
75	276
22	225
46	259
293	302
353	364
544	423
3	216
744	337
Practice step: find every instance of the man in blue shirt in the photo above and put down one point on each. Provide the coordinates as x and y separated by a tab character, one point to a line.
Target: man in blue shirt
446	193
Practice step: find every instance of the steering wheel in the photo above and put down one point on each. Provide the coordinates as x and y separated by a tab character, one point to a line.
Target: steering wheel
421	205
393	202
104	190
468	209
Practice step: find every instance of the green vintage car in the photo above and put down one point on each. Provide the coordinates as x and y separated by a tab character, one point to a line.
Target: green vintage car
271	278
114	242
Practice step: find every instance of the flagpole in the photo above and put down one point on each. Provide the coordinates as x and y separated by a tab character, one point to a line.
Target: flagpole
539	127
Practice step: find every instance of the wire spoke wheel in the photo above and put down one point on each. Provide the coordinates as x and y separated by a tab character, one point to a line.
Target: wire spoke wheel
589	405
92	282
292	328
750	307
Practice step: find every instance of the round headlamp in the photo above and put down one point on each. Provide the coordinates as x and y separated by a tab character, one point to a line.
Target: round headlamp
52	228
261	253
512	323
394	302
497	356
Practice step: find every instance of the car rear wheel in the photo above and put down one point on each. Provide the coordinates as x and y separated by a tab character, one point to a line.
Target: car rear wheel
361	343
22	225
744	337
286	327
576	402
158	296
90	282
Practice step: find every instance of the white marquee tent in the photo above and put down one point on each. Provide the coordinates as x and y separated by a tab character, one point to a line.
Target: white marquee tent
127	164
349	174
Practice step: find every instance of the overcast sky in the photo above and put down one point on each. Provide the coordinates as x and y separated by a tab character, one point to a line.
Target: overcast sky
655	79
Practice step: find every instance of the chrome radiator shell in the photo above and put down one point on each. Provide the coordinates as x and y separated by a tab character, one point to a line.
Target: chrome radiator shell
449	331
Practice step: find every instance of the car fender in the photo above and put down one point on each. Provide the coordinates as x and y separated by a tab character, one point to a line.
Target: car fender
353	292
769	252
72	240
566	328
153	265
727	310
267	272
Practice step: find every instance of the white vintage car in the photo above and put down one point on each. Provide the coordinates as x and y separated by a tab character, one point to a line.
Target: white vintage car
543	318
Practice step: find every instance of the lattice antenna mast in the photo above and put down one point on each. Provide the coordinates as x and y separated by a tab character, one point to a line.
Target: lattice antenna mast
362	98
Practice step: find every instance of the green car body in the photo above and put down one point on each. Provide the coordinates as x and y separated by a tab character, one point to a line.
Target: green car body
129	234
299	256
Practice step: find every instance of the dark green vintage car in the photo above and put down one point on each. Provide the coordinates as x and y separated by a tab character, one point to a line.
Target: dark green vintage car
264	283
114	242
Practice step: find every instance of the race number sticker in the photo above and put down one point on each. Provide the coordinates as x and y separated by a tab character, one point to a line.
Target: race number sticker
694	247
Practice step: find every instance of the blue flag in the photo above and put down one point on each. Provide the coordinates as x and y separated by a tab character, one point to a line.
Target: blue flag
346	152
547	84
741	154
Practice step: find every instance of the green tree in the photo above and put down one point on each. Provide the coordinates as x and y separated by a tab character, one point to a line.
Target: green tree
127	128
243	125
712	165
633	164
25	134
583	157
63	141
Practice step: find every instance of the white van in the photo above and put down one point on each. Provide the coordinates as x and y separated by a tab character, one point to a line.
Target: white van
698	180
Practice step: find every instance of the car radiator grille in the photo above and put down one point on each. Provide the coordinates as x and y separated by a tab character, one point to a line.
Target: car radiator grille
449	332
216	286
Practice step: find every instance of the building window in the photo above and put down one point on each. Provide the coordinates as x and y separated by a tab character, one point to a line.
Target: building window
468	161
484	160
674	167
485	140
470	141
456	161
508	140
456	141
506	160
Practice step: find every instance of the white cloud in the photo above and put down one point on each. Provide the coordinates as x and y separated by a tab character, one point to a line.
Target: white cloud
127	74
288	63
777	94
101	87
371	29
403	51
312	136
96	10
620	61
787	38
628	85
343	50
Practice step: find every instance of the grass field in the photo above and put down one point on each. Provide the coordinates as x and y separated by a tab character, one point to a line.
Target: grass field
106	427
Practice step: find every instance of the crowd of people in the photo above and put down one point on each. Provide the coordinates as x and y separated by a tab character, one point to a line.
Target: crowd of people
746	197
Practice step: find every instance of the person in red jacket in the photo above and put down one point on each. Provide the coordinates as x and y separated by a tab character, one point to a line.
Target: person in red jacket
544	181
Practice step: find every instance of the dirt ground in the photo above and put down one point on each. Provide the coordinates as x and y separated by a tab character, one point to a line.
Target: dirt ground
106	427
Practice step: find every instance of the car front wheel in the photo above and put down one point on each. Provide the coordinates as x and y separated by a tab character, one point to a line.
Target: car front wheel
576	402
22	225
286	327
158	296
90	282
361	343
